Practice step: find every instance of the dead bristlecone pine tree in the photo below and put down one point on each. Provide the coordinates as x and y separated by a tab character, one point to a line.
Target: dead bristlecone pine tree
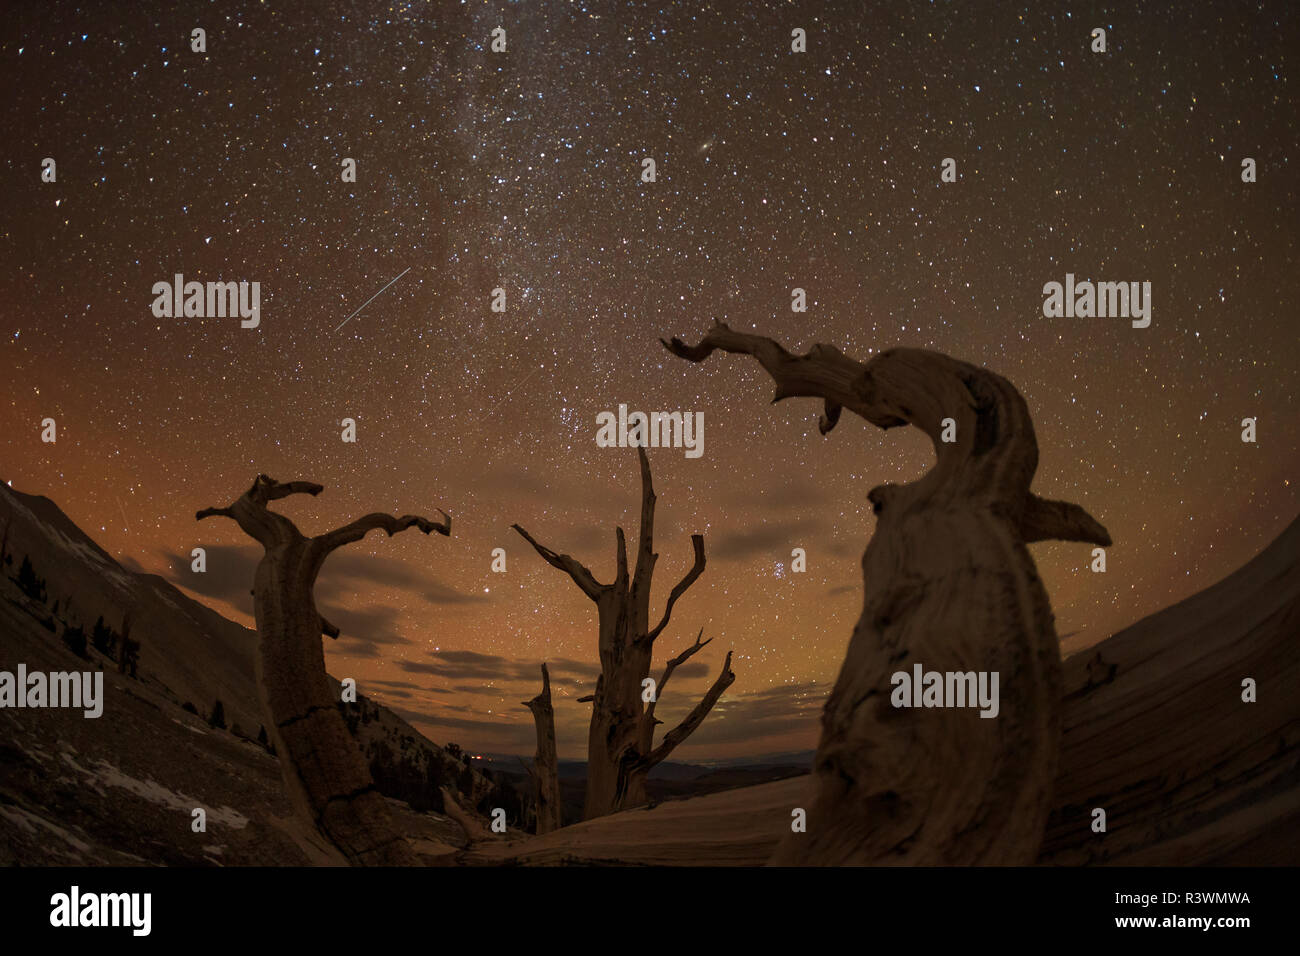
620	741
948	585
545	771
324	771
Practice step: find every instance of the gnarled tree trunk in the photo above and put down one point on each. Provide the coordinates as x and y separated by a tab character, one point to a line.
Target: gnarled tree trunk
619	742
545	770
324	772
950	585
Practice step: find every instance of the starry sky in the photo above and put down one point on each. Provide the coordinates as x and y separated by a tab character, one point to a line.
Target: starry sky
521	170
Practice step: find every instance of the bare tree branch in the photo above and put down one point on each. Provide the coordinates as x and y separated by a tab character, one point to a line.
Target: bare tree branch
824	372
273	490
697	568
1046	520
995	448
645	553
693	719
358	529
671	666
328	629
581	576
620	551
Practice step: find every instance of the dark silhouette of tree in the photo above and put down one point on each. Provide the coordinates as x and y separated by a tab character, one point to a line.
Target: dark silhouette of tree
218	716
620	741
75	639
324	771
104	638
949	585
29	583
128	654
545	772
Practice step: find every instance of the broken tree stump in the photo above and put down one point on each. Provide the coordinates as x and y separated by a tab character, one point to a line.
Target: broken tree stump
545	771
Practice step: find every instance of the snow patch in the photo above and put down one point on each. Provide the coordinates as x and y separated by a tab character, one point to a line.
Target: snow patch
109	775
24	820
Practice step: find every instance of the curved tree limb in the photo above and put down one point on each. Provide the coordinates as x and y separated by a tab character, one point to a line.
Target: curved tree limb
824	372
273	490
581	576
362	526
1046	520
697	568
995	452
671	666
694	718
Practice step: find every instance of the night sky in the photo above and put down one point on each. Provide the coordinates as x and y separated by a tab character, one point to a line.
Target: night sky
522	170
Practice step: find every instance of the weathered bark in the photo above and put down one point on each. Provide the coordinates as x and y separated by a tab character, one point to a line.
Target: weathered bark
619	753
545	770
948	584
324	771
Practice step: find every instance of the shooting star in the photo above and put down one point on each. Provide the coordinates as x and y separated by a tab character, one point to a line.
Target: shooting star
369	300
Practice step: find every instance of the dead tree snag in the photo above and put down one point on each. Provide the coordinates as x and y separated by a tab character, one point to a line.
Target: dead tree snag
620	751
545	771
324	771
950	585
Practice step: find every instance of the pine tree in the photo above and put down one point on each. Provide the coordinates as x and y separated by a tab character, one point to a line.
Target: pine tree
29	583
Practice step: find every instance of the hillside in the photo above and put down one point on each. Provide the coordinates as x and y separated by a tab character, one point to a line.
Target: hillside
189	654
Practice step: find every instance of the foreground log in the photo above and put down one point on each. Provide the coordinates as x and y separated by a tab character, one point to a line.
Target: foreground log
948	585
324	772
620	750
545	771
